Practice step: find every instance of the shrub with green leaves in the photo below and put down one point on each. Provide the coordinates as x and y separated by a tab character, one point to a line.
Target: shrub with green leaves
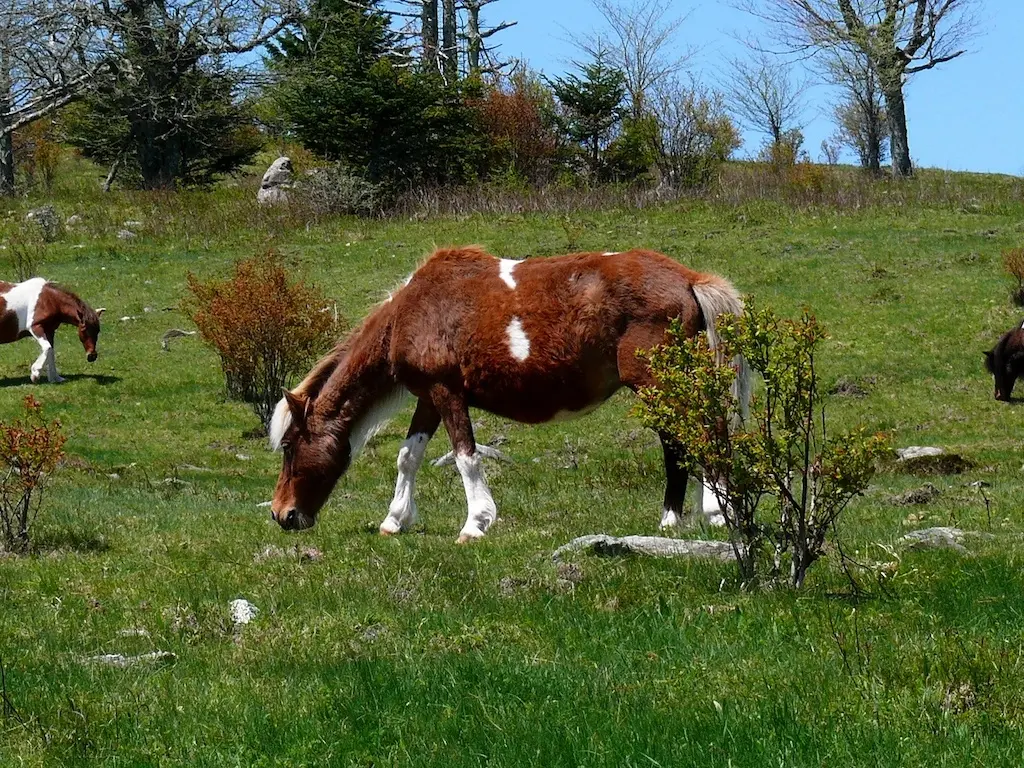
30	450
266	327
781	477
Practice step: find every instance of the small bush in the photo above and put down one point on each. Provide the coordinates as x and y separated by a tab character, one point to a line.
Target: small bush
266	327
782	478
1013	263
30	450
335	190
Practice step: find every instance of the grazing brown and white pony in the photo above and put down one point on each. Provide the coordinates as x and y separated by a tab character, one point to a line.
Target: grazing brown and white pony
534	341
1005	361
36	308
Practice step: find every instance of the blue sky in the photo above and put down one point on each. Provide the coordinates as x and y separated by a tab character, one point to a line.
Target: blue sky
964	115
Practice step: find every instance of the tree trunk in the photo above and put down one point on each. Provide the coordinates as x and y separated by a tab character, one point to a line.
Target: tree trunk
6	138
449	31
899	146
6	164
428	30
160	159
475	42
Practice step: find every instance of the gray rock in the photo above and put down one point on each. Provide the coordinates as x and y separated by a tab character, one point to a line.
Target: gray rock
122	662
917	451
941	537
276	182
126	234
73	220
655	546
242	611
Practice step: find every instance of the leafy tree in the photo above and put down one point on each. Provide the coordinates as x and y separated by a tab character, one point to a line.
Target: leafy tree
695	134
348	97
782	478
591	106
181	129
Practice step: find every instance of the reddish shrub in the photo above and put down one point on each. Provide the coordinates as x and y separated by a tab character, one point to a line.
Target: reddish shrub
30	450
266	327
521	144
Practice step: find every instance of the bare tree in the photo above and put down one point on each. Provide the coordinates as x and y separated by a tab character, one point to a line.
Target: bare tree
640	41
49	53
695	134
899	37
477	50
861	120
765	96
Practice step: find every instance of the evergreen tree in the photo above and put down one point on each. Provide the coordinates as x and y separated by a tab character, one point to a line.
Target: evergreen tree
345	95
591	106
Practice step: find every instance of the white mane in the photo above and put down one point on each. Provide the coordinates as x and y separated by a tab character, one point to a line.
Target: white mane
279	423
363	429
371	422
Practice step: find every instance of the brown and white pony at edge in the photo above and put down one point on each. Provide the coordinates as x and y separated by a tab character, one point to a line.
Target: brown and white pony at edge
36	308
1005	361
533	341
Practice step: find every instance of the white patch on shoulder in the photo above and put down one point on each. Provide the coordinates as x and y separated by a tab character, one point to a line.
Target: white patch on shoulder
518	343
279	423
505	272
22	299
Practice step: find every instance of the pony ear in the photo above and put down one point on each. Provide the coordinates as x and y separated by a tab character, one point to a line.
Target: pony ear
299	405
989	360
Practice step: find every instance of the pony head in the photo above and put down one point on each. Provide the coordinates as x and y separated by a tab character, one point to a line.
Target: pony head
89	331
1005	361
316	452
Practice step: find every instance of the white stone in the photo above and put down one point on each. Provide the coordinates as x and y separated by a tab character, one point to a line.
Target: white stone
242	611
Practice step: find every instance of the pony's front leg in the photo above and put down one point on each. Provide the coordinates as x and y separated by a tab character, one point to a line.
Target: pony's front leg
454	413
402	513
46	358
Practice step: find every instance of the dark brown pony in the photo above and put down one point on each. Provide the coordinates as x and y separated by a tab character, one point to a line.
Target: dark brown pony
37	308
1005	361
534	341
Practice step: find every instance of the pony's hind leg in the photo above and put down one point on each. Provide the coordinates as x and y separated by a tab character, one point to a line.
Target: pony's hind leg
676	476
402	513
454	413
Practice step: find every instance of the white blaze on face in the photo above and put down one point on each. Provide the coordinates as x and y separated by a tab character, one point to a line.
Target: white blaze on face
505	272
518	343
22	299
611	253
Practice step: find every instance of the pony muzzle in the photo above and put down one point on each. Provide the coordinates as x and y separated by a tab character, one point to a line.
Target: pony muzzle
293	519
91	357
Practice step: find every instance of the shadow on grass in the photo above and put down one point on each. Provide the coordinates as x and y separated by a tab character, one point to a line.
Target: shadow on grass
101	379
60	538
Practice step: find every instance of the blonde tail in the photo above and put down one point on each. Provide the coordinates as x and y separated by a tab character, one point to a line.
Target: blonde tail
716	296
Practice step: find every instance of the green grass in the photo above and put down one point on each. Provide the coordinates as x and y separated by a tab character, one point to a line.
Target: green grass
413	651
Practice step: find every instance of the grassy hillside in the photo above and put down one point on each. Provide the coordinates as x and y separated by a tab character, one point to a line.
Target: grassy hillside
413	651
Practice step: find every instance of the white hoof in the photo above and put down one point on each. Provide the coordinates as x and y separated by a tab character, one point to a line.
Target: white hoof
670	519
390	527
